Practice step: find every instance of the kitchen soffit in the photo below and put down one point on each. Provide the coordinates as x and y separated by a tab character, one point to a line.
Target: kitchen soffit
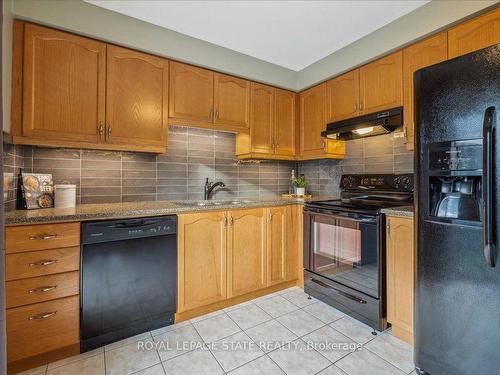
291	34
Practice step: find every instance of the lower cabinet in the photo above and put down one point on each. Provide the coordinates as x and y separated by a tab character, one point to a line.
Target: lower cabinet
247	251
202	239
227	254
400	276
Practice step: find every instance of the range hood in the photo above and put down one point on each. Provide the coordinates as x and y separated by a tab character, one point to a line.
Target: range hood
377	123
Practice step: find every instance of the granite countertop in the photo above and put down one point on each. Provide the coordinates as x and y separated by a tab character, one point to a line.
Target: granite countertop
403	211
87	212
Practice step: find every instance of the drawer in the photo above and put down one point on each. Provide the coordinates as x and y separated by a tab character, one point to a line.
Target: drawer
42	327
42	288
41	237
40	263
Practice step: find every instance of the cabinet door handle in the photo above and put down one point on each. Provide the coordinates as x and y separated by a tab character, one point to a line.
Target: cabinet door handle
42	315
43	263
101	129
109	131
211	114
231	221
324	145
216	114
42	289
361	105
355	107
43	237
225	221
269	216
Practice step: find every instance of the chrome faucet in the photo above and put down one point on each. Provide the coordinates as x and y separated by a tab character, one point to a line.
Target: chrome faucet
210	186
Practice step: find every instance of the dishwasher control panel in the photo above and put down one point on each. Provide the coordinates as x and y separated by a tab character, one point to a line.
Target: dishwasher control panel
115	230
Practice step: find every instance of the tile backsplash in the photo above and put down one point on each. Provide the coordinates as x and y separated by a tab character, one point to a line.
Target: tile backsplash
193	155
380	154
109	176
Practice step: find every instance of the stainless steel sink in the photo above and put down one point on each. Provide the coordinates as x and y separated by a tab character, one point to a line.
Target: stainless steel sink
210	203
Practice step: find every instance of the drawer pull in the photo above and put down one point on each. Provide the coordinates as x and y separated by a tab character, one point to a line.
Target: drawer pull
43	237
42	289
42	316
43	263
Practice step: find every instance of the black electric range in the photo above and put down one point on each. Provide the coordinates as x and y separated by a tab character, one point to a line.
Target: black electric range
344	244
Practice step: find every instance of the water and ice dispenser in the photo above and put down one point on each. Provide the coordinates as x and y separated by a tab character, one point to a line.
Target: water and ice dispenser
455	174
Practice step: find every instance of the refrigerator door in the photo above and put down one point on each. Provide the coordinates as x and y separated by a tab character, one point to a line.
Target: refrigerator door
457	300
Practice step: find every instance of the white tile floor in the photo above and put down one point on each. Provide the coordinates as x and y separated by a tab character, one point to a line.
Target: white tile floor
282	333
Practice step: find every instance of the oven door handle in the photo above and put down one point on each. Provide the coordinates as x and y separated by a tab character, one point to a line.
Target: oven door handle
345	217
347	295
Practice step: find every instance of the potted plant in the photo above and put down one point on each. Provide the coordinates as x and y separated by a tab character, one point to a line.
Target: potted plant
300	183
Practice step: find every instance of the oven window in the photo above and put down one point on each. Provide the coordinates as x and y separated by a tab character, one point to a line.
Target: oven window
346	251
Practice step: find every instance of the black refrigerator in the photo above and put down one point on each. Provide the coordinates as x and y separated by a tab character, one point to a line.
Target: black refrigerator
457	294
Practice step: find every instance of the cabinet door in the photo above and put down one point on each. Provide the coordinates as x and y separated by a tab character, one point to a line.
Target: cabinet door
343	96
400	277
246	269
232	103
201	259
63	85
312	121
479	32
419	55
191	94
276	245
381	84
284	122
137	98
261	118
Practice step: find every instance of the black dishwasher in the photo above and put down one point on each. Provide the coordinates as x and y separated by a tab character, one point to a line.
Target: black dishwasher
129	278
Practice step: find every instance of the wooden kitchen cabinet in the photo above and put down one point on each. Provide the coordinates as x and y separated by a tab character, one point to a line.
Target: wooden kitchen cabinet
231	102
262	119
247	251
475	34
191	98
312	123
63	85
71	91
201	259
276	245
284	122
228	257
400	276
343	96
381	84
419	55
272	125
42	294
137	98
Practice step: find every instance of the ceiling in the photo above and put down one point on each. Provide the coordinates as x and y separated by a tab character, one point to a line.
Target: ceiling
291	34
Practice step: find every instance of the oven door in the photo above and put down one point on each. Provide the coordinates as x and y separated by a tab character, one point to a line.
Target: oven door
344	247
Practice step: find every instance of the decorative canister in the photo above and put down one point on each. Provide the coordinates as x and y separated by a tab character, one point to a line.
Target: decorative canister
65	196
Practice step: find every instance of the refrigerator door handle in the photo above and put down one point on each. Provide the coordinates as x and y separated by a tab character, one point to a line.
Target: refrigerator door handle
488	184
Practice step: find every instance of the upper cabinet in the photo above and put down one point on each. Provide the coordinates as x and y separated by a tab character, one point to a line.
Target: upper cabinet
272	125
231	102
137	98
419	55
312	123
284	122
381	84
343	96
76	92
63	85
202	98
479	32
191	94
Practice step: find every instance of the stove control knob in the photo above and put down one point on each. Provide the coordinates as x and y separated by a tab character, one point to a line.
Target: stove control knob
407	182
397	182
